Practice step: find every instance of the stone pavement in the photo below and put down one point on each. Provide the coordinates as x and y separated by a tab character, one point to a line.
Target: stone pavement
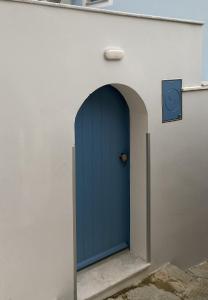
170	283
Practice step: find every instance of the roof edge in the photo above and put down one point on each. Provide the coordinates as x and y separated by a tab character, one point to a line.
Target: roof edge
105	11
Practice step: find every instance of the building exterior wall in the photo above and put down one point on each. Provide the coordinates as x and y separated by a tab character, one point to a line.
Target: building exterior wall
186	9
176	202
47	71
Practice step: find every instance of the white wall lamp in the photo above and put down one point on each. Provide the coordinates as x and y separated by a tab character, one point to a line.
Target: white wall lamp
114	54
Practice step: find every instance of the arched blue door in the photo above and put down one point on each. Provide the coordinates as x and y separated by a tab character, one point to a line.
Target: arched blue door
102	176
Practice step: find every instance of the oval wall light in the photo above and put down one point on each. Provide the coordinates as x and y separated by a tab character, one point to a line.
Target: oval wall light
114	53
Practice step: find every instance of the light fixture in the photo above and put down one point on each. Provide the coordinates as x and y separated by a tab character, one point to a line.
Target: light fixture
114	53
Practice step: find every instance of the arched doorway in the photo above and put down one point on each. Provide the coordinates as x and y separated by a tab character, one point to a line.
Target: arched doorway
102	143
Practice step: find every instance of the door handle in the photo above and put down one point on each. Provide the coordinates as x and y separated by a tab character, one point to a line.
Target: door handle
123	157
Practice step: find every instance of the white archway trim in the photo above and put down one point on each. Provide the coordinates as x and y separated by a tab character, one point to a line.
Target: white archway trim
104	278
138	172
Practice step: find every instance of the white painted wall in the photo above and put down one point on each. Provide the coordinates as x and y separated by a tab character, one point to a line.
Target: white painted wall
51	58
179	185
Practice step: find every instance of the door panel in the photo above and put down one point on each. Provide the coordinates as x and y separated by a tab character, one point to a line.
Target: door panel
102	178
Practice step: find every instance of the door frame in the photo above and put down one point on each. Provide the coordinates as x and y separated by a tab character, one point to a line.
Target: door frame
139	177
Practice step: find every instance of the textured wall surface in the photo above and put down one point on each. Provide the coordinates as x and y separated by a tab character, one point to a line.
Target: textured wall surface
47	70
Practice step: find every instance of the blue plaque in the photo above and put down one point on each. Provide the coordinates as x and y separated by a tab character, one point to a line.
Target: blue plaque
171	100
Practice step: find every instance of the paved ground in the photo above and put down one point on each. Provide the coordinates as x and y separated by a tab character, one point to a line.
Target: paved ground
170	283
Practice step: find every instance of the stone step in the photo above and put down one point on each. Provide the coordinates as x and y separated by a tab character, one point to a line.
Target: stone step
200	270
170	283
150	292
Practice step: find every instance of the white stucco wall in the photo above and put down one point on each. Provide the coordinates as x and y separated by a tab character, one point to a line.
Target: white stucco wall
179	184
51	59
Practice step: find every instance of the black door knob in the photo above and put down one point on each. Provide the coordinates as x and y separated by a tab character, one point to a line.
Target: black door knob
123	157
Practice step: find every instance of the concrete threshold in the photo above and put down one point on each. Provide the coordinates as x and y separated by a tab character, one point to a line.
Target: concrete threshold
94	281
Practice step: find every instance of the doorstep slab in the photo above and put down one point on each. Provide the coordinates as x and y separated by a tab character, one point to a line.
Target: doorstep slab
108	273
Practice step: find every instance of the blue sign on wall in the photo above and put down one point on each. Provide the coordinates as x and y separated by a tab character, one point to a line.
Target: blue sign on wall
171	100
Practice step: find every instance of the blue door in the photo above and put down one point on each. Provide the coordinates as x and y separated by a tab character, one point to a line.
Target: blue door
102	176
